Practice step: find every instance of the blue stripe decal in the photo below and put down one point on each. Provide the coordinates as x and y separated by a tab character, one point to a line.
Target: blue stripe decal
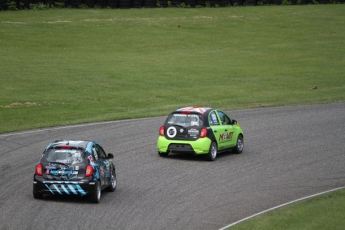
81	190
49	188
56	188
72	189
64	188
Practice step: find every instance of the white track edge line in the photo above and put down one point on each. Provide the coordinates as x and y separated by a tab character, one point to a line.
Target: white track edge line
71	126
279	206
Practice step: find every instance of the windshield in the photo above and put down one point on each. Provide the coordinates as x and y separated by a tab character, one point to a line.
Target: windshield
185	120
65	156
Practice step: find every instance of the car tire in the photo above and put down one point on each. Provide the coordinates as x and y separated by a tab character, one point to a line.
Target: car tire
239	144
113	182
163	154
212	153
95	197
38	195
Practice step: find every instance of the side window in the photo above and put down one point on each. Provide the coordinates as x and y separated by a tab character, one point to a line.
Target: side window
213	119
100	152
94	153
224	118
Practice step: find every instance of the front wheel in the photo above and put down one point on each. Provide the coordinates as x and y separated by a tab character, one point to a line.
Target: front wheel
240	144
212	153
113	182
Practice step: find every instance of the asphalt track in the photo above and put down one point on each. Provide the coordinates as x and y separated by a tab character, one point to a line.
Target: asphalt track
290	153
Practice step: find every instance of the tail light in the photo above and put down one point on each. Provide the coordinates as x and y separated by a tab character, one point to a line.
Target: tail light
88	170
203	132
39	170
161	131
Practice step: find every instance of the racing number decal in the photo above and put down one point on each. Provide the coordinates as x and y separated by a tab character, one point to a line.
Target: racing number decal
171	132
225	136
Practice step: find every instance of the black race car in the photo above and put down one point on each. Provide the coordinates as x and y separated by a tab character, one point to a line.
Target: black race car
70	167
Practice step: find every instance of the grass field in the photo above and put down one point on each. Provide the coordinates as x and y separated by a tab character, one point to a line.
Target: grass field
69	66
324	212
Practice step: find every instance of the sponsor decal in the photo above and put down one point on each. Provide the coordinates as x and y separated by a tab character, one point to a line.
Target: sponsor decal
92	162
193	132
171	132
194	123
225	136
51	167
214	119
62	167
64	161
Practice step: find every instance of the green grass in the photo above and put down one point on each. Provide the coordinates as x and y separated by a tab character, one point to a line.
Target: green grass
324	212
69	66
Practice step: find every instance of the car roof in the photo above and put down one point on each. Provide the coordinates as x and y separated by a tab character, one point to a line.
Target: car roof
71	143
194	109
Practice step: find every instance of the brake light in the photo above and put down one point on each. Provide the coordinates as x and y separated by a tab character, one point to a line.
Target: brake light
161	131
66	147
203	132
39	170
88	170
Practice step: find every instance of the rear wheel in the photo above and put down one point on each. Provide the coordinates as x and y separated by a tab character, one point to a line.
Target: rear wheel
164	154
240	144
37	195
95	197
212	153
113	182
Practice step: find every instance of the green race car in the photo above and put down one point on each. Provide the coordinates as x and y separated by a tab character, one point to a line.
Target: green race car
199	130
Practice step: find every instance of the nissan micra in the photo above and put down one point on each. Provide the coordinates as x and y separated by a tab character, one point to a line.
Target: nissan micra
200	131
74	168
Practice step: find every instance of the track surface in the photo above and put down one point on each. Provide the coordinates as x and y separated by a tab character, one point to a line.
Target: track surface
290	152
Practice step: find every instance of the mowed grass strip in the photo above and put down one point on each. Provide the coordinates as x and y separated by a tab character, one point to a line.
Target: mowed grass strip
70	66
323	212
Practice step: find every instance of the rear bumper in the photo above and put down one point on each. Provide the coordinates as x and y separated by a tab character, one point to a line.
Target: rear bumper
200	146
78	188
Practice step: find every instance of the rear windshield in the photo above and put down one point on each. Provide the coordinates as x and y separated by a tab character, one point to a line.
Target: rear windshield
65	156
185	120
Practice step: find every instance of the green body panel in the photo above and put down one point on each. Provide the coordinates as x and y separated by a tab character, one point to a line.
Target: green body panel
226	135
220	129
200	146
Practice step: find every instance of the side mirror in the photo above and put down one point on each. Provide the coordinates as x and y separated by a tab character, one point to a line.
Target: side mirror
110	156
234	122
